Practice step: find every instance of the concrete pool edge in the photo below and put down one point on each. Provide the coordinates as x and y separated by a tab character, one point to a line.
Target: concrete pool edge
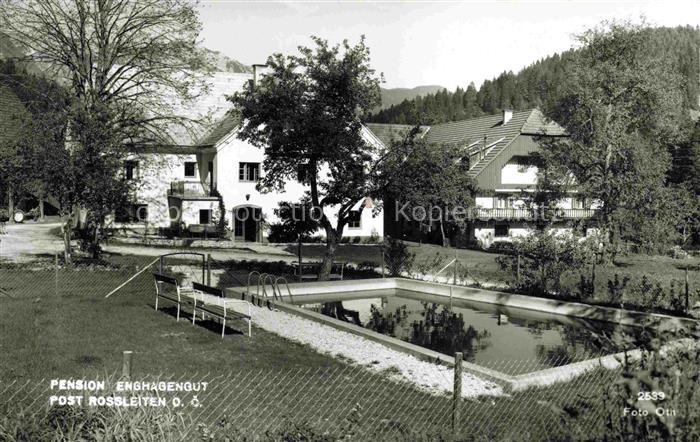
312	292
306	291
421	353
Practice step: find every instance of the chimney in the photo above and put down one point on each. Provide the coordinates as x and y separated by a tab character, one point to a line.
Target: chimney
257	68
507	115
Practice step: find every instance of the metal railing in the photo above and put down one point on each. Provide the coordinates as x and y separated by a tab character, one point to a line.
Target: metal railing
261	288
279	291
531	214
189	189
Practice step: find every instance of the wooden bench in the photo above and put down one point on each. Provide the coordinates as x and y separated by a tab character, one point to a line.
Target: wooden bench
180	295
213	301
337	270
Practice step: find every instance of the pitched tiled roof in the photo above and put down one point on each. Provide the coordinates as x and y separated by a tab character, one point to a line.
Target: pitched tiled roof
388	133
486	136
492	127
538	124
223	127
11	112
211	108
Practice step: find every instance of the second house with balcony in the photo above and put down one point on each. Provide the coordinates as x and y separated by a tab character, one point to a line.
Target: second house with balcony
500	151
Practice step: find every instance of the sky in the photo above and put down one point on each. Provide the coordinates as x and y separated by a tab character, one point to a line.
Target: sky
444	43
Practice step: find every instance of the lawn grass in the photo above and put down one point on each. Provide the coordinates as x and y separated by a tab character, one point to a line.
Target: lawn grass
484	269
59	325
482	265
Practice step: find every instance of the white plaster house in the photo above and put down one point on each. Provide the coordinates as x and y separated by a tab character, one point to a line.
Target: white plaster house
237	166
499	148
183	185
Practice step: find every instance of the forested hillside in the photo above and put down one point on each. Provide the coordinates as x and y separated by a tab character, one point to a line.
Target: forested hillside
540	84
394	96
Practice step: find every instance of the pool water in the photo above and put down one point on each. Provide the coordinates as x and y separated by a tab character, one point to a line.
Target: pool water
513	341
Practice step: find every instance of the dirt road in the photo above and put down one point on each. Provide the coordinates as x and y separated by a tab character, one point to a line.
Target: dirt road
23	242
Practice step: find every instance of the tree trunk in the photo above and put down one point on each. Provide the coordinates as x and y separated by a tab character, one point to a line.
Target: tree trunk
10	205
96	242
299	257
331	248
41	206
66	227
442	233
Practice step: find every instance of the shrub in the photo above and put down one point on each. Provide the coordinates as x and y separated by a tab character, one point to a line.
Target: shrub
220	218
366	266
33	213
540	260
4	215
616	289
373	238
649	293
673	373
430	265
676	252
502	247
397	257
282	233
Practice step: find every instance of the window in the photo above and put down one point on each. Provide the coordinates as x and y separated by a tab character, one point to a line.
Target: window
249	172
579	203
135	213
131	170
504	202
501	230
355	221
190	169
205	216
141	212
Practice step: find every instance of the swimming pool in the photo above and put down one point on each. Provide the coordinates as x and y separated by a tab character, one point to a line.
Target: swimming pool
512	340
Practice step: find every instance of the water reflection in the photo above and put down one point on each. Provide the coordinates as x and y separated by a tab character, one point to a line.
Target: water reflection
446	332
438	329
500	337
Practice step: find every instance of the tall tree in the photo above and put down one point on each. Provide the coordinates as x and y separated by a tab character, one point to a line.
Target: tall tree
621	108
305	113
430	181
126	66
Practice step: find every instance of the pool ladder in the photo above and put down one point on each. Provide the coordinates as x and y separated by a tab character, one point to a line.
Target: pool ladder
261	287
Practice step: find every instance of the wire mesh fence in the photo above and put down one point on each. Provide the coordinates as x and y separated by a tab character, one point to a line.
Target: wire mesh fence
339	402
48	302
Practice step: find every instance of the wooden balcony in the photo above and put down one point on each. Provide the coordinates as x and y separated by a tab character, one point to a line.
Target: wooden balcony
190	190
532	214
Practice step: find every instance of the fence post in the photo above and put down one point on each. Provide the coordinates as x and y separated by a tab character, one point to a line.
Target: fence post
457	394
55	273
209	269
454	277
299	272
381	252
687	290
126	364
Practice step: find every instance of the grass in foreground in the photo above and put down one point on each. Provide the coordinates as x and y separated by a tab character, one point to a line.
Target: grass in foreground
60	325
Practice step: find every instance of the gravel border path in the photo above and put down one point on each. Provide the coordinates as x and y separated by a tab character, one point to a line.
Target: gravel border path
433	378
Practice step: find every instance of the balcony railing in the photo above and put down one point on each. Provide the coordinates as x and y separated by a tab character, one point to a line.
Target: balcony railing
189	189
533	214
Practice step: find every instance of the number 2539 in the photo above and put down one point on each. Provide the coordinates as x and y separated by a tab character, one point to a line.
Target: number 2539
651	396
